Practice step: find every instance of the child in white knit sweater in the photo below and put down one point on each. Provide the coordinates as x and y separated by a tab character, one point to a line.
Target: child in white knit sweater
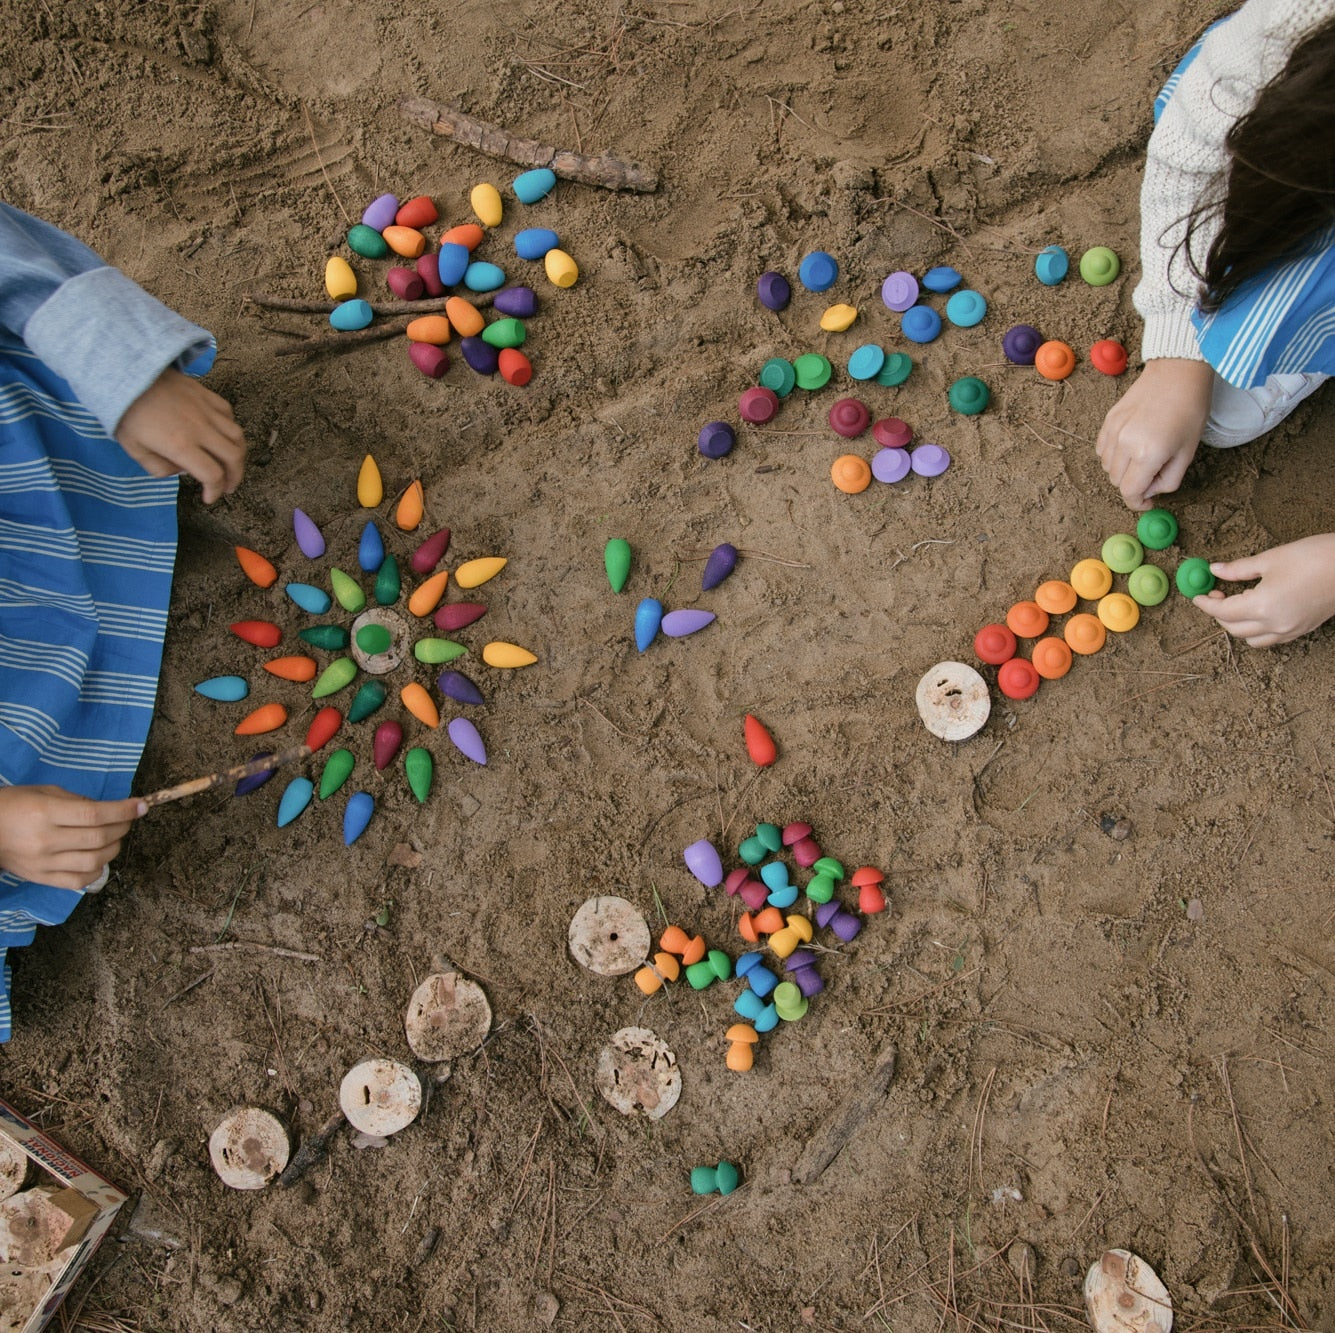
1238	285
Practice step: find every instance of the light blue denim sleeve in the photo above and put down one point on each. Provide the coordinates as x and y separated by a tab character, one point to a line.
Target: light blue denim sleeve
88	322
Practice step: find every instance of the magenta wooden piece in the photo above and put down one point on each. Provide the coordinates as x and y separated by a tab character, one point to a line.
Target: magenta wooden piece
428	269
795	832
806	851
431	360
754	894
735	880
385	745
467	740
458	614
406	284
849	418
758	405
892	433
677	624
430	553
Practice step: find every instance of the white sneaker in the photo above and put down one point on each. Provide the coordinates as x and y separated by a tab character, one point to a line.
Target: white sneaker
1238	416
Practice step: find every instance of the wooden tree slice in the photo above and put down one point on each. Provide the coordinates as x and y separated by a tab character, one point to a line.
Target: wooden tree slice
609	936
249	1148
448	1016
400	635
638	1074
13	1167
1123	1294
953	701
380	1097
36	1225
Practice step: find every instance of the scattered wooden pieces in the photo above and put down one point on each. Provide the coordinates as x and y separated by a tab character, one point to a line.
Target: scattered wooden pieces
827	1142
612	173
638	1074
248	1148
448	1016
609	936
380	1097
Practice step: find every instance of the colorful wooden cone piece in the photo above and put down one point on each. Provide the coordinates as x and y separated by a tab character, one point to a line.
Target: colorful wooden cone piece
348	591
367	699
431	552
360	808
261	633
256	780
499	654
759	743
370	487
387	582
427	596
467	739
300	669
255	567
323	726
310	539
436	652
419	766
370	549
411	506
677	624
648	620
455	685
474	572
267	717
225	689
419	703
314	601
616	560
458	615
337	769
722	561
385	744
332	638
334	677
295	798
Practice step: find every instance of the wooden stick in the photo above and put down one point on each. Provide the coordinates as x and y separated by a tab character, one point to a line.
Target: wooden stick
612	173
427	306
294	754
327	342
825	1144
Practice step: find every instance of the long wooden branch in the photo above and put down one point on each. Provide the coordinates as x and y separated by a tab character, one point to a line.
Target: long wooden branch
294	754
427	306
612	173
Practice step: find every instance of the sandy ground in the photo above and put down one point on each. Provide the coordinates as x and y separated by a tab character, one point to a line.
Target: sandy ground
1106	973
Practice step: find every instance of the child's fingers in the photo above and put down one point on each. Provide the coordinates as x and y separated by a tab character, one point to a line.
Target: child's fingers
1236	614
1238	571
112	818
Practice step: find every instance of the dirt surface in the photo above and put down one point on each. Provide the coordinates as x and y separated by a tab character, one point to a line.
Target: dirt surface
1106	973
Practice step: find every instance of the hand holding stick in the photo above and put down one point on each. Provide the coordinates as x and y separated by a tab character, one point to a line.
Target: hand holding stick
294	754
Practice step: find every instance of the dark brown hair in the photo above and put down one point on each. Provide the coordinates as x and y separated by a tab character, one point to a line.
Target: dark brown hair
1279	191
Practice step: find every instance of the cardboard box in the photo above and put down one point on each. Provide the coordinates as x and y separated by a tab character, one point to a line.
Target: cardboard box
90	1201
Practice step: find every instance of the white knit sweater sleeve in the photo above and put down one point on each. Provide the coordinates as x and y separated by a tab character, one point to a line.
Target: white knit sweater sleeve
1186	158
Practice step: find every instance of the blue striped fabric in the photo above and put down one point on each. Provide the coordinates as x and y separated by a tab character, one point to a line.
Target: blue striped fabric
87	545
1282	321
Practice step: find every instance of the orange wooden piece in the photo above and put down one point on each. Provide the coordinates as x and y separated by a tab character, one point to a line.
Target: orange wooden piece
1055	596
759	743
694	951
465	318
411	508
267	717
467	234
323	726
405	241
1051	658
418	702
746	928
1026	620
1084	633
1054	360
674	939
292	668
433	329
427	597
768	920
256	568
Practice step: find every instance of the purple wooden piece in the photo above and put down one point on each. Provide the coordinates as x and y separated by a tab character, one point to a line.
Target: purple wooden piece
455	685
825	912
677	624
380	212
716	439
774	291
1020	343
891	465
808	981
309	537
722	561
702	860
483	357
518	302
248	785
466	739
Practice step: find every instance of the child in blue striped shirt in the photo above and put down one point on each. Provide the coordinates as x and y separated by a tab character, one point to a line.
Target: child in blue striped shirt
1238	283
97	420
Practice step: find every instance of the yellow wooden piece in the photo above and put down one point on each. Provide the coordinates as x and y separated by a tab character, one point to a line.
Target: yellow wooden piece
411	507
418	702
339	279
838	318
427	596
1091	579
370	488
485	201
474	572
500	654
1119	612
562	271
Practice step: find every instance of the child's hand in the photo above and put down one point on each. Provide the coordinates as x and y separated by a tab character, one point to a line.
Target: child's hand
177	425
51	836
1151	434
1295	595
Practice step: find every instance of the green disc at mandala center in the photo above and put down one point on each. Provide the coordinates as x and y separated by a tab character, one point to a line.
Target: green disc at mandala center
436	651
331	637
347	590
812	371
373	639
336	772
334	677
387	582
366	700
418	765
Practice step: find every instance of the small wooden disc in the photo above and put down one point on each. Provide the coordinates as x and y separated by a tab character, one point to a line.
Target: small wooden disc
448	1016
249	1148
380	1097
638	1074
609	936
953	701
380	664
1123	1292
